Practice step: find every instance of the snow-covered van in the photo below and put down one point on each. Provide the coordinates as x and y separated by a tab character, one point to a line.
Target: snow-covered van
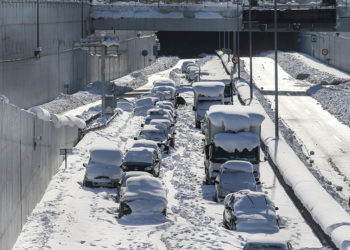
232	133
206	94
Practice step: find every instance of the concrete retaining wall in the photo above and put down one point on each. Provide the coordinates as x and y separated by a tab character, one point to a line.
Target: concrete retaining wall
28	81
29	156
337	44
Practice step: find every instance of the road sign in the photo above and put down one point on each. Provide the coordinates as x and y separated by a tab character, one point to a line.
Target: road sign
313	38
325	52
235	59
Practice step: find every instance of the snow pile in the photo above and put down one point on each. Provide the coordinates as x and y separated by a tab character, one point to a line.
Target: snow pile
41	113
63	120
299	66
243	89
309	191
335	101
139	154
209	89
92	92
107	155
232	142
243	166
145	195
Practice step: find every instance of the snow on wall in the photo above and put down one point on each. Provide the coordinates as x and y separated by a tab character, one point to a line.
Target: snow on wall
29	157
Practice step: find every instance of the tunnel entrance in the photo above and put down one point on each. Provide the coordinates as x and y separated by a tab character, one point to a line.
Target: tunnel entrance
191	44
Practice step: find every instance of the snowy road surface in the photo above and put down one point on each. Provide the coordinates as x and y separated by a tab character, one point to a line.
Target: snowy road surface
325	140
74	217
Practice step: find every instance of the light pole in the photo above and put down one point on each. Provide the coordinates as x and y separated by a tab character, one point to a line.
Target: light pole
250	51
276	72
101	47
238	45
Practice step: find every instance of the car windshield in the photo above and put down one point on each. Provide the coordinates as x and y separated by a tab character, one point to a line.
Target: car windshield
263	246
138	164
220	156
227	91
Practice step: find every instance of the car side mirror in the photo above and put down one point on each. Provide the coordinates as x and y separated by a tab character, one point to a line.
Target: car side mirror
135	138
258	183
85	165
194	108
142	125
276	208
172	125
177	94
216	182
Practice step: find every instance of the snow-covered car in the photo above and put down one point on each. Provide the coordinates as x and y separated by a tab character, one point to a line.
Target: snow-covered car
169	91
234	176
166	107
143	196
184	65
143	104
122	182
250	211
190	65
167	124
267	243
157	134
164	82
149	118
193	73
142	159
148	144
103	168
159	111
166	103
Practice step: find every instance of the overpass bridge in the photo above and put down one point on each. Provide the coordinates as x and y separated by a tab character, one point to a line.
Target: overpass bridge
221	16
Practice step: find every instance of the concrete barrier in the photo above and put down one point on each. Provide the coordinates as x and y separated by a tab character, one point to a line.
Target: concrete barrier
29	157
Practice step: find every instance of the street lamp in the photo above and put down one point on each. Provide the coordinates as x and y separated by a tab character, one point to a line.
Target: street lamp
276	71
101	46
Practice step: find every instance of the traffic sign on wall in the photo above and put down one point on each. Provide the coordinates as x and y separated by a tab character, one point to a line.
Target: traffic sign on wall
313	38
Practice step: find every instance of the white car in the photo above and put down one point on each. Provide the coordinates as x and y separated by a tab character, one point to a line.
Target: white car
164	122
164	82
250	211
159	111
143	104
184	65
143	196
157	134
148	144
234	176
149	118
122	183
169	92
142	159
190	65
267	243
104	167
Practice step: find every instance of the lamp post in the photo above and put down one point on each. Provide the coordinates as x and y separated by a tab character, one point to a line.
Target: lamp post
101	47
238	45
276	71
250	51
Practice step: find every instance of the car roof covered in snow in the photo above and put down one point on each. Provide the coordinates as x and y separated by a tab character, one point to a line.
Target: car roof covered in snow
157	110
164	82
234	118
107	155
146	101
145	143
145	195
239	166
139	154
209	88
231	142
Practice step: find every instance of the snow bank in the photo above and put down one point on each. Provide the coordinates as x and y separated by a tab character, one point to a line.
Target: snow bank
63	120
210	89
107	155
139	154
41	113
243	166
145	195
231	142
